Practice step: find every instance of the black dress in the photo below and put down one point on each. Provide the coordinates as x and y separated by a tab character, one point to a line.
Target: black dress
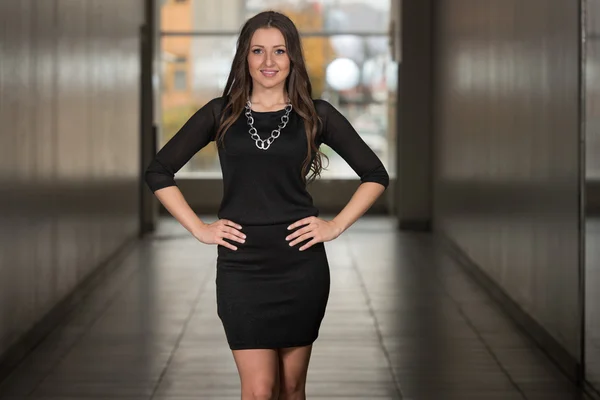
269	294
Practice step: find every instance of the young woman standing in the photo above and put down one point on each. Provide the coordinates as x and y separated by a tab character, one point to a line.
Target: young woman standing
272	270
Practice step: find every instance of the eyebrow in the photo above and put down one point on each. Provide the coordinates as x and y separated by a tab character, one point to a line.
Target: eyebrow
260	45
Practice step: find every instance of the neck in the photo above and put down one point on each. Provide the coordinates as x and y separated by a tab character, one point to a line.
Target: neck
268	98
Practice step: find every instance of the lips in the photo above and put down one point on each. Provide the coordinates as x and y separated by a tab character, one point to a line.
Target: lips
269	73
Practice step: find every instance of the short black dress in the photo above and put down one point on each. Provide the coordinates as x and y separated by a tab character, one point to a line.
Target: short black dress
269	294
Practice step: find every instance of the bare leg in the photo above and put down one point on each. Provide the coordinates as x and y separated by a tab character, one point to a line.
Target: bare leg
259	376
293	368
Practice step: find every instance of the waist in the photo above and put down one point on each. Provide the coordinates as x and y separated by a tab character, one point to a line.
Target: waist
266	234
269	238
270	218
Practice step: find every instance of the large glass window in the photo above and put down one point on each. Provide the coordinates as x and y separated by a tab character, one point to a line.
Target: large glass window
346	45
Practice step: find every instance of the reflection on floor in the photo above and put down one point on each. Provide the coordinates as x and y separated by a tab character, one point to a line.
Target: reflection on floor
404	322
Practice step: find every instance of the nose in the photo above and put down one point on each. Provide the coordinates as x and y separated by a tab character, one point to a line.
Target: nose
269	60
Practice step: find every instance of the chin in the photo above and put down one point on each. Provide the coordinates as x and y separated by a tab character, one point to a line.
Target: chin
268	83
271	84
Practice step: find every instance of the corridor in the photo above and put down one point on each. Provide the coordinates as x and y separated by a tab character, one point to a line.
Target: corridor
404	322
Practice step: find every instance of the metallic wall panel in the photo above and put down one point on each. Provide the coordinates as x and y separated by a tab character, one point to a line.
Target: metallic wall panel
69	148
506	149
414	193
592	153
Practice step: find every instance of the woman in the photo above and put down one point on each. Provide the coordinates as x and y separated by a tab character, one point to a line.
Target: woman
272	270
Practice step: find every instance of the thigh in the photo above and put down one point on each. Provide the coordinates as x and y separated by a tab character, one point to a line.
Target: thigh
258	370
293	368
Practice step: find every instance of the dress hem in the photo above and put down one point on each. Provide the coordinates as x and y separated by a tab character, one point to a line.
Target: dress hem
270	346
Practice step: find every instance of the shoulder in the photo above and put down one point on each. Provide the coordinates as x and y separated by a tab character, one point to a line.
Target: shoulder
211	109
323	108
325	111
217	104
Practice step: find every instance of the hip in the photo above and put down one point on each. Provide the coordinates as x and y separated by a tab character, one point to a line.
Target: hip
267	243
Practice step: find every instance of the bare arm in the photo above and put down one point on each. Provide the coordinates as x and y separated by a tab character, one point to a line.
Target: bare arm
173	200
365	196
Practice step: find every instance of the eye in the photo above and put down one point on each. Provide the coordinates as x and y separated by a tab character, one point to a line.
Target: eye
280	51
256	51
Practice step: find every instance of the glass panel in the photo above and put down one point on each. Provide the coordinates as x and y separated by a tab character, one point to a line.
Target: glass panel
359	77
207	61
311	16
180	80
329	16
354	73
202	15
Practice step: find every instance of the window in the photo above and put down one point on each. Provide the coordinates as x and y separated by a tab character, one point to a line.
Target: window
180	80
346	49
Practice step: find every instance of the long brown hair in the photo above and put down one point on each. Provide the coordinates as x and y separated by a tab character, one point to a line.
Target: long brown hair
298	86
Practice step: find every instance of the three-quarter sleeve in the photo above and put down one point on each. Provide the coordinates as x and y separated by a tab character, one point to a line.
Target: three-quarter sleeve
198	131
340	135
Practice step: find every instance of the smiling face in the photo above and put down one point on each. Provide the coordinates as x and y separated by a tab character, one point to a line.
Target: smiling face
268	60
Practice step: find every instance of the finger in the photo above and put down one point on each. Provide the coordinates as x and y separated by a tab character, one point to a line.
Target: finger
235	232
225	244
309	244
303	221
231	223
303	238
233	237
299	232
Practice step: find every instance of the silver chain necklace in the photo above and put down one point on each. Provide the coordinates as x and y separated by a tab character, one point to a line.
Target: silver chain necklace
264	144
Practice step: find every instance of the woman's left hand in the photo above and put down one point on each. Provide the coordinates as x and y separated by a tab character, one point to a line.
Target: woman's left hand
317	229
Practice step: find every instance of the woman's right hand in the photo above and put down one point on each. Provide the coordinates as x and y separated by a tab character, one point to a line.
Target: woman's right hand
215	233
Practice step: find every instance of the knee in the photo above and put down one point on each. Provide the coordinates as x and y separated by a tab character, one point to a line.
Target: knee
261	391
291	388
263	394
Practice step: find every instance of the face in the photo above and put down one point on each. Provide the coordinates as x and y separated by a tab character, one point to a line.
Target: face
268	59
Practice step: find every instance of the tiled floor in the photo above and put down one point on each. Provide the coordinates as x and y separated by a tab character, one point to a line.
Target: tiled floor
403	322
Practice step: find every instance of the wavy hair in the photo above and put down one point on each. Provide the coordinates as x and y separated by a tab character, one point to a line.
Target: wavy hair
298	87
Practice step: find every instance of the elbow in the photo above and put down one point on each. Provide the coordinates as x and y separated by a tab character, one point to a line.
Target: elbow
157	177
377	175
150	179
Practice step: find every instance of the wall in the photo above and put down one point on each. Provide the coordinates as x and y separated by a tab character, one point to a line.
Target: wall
506	149
592	217
415	122
69	162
